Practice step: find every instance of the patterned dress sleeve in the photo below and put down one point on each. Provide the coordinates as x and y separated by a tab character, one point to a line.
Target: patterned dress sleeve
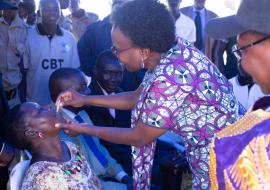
161	105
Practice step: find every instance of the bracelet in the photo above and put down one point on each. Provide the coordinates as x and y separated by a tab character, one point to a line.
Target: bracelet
3	146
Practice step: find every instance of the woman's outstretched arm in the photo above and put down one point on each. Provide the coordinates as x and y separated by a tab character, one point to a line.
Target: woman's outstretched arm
137	136
121	101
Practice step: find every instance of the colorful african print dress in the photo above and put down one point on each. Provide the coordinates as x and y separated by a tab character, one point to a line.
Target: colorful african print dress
74	174
186	94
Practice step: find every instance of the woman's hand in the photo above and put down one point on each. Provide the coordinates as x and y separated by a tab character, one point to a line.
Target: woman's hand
72	128
70	98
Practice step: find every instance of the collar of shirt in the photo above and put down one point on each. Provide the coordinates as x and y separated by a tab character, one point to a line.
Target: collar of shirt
70	114
202	11
104	91
81	113
41	31
111	110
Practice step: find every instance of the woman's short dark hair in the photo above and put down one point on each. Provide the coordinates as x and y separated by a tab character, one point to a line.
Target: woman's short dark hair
147	23
13	125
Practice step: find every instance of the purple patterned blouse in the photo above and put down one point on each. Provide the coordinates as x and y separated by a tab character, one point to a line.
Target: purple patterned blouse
186	94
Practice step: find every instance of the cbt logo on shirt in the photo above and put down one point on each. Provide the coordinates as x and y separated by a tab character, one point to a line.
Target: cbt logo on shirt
51	63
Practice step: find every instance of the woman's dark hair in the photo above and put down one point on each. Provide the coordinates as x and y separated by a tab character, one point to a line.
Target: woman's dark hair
13	126
147	23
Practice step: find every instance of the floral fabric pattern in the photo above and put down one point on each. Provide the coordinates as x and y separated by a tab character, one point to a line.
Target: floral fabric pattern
186	94
46	175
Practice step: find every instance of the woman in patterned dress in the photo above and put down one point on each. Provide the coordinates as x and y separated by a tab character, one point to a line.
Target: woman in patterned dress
55	164
182	91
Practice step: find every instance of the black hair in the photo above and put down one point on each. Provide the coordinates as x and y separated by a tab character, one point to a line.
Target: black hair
147	23
29	5
57	78
105	57
13	126
41	3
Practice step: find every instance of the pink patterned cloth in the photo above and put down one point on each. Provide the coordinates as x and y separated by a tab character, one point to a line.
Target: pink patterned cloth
186	94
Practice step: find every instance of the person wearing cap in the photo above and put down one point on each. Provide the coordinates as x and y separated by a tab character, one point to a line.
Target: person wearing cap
6	153
244	163
6	5
13	34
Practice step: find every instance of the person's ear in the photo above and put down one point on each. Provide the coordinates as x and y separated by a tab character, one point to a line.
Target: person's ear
145	53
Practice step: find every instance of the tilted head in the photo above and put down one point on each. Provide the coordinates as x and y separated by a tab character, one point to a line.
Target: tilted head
29	123
141	28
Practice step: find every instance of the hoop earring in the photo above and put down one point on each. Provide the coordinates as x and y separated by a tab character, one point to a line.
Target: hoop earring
142	64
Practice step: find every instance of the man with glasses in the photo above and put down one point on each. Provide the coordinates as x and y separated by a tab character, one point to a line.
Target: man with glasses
247	141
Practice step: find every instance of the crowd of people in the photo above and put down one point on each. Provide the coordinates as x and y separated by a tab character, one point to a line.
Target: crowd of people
136	100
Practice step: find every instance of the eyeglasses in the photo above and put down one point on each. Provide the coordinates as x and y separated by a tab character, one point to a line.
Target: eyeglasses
238	51
118	52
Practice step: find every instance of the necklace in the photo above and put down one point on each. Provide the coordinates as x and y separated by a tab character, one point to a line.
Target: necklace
75	165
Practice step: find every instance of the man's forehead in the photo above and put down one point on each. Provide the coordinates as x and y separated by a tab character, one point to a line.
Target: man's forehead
49	3
247	36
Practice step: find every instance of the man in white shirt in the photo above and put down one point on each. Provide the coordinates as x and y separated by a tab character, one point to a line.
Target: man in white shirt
201	16
246	92
184	26
49	48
